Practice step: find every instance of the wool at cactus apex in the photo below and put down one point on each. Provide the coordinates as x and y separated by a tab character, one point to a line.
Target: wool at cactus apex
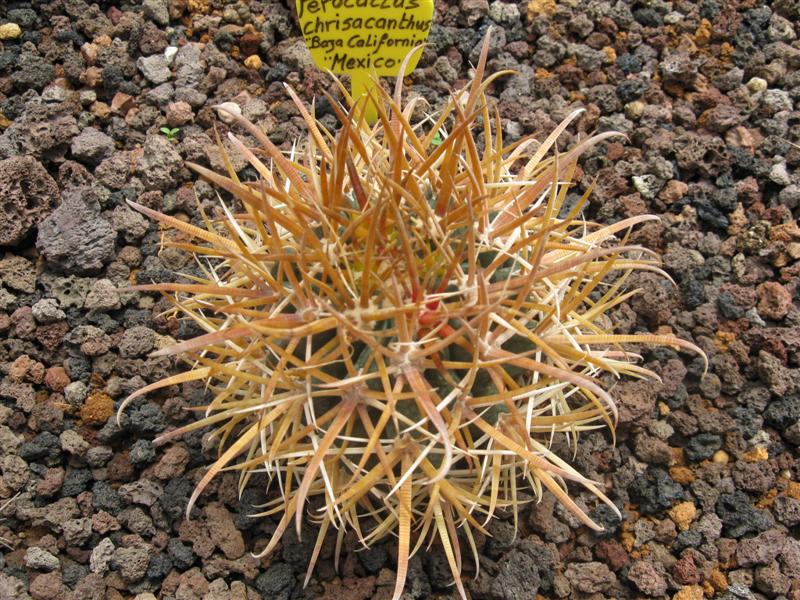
315	6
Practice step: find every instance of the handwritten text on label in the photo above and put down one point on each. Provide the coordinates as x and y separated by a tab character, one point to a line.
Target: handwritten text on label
364	36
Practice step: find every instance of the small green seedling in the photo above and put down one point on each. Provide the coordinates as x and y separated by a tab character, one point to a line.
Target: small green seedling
170	132
437	140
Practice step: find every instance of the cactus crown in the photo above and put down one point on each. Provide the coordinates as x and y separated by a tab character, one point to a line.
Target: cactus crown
399	318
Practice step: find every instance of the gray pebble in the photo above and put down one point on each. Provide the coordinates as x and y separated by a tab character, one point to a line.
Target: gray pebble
155	68
91	146
41	560
72	442
157	11
103	296
101	556
74	237
47	311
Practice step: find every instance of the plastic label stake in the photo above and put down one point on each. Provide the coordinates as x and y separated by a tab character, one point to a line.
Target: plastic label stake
365	38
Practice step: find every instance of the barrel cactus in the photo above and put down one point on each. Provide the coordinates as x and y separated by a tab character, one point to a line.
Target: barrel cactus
399	320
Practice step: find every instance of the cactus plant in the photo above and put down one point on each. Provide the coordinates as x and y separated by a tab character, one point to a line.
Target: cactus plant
400	318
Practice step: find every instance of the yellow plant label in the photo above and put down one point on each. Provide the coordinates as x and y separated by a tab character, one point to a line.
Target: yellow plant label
362	38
